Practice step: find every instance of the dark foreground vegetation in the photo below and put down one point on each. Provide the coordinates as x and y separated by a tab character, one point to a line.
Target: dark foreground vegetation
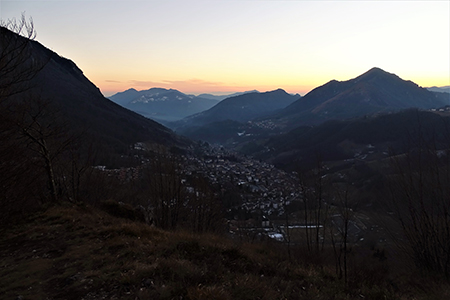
80	252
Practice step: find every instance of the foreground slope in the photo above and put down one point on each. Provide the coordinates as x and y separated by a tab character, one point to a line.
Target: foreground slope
79	252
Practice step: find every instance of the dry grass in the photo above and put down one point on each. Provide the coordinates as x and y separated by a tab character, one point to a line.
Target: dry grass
71	252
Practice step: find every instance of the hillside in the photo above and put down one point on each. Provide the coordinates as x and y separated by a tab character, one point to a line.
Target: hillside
229	118
240	108
80	252
375	91
342	140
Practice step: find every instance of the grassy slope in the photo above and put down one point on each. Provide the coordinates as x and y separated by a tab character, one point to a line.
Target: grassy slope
72	252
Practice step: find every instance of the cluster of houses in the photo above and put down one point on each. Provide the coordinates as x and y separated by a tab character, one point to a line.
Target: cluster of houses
262	187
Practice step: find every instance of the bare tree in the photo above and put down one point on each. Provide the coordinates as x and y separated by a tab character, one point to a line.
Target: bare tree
203	210
165	190
33	135
39	128
286	232
312	187
20	181
77	169
17	64
420	198
342	222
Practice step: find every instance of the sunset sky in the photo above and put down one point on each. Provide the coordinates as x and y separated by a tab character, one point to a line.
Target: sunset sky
223	46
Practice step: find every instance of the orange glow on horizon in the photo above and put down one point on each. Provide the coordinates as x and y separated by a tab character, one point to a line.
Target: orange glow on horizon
197	87
226	82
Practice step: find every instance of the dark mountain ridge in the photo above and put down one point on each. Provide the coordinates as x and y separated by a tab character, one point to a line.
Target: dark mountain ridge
372	92
241	108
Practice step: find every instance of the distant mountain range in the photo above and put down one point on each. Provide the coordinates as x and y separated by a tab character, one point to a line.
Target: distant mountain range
165	105
441	89
162	104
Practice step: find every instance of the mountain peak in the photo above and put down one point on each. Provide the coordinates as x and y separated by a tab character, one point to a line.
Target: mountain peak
378	75
375	71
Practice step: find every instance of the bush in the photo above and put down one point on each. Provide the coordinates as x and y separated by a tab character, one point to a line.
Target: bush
122	210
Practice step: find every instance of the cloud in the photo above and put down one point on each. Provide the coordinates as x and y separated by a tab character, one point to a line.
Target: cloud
196	82
177	83
113	81
147	83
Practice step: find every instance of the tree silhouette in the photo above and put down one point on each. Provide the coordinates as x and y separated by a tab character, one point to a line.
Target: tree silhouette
17	64
32	135
420	193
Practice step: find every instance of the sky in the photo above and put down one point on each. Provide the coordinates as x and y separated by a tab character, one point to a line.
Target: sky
225	46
